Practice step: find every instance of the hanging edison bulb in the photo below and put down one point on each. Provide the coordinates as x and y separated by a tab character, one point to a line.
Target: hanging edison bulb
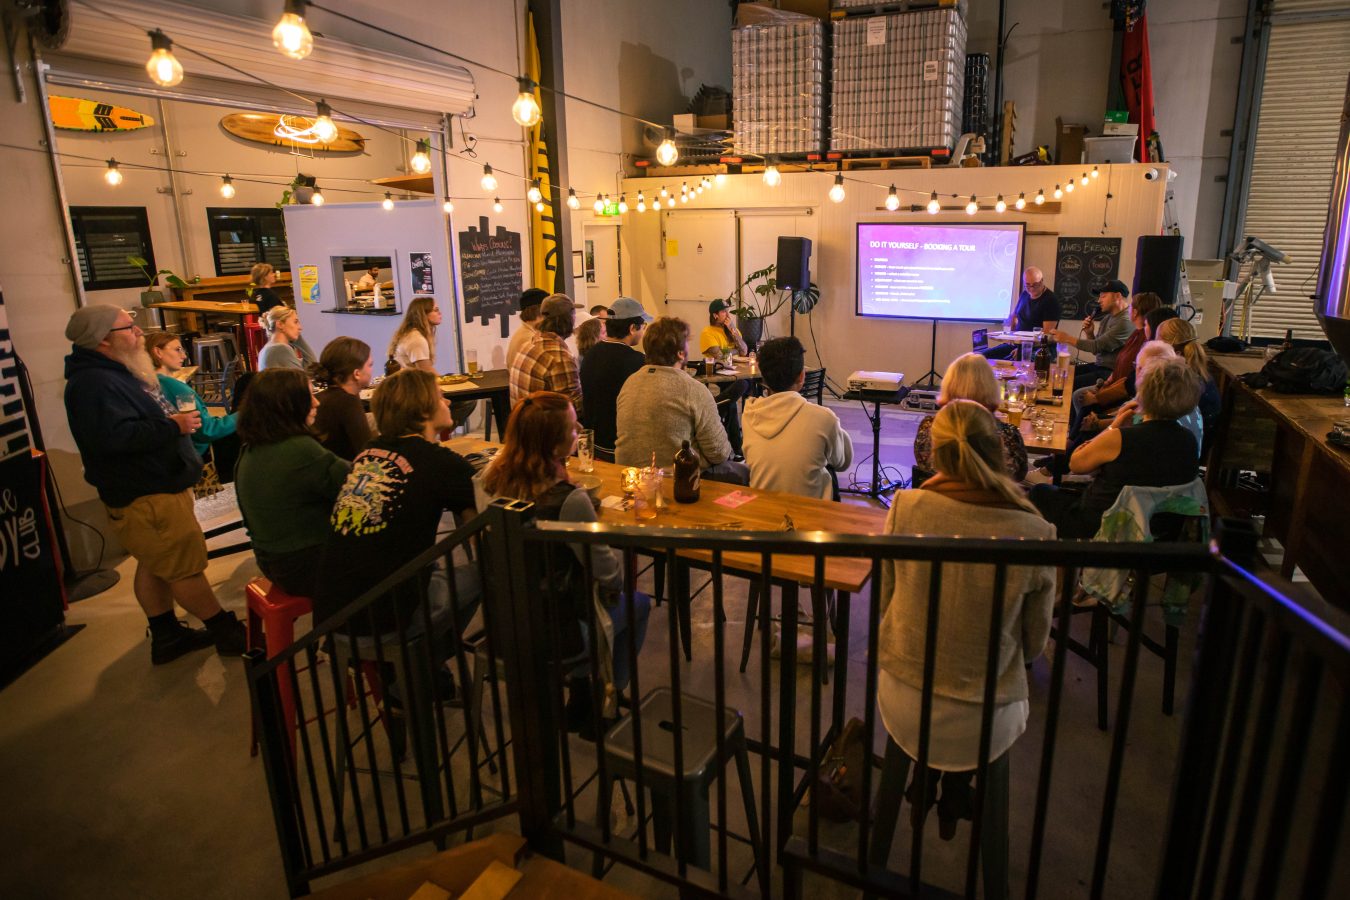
1059	193
623	204
892	200
973	206
324	128
572	201
421	158
526	110
539	206
837	189
667	154
388	201
489	181
534	195
291	35
316	199
227	187
656	204
1000	205
1084	180
1040	198
642	203
496	204
664	193
599	205
1068	186
447	207
1095	173
113	175
1021	202
934	205
163	67
720	179
772	177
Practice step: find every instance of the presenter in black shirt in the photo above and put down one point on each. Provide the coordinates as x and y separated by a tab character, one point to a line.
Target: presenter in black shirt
607	366
1037	307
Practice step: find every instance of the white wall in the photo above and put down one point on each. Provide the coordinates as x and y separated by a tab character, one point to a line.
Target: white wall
848	343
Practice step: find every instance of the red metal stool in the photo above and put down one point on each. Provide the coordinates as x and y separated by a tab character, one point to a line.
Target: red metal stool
271	625
255	338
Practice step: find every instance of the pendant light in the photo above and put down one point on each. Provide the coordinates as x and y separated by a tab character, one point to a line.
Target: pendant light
388	201
421	158
1084	180
227	187
1040	197
999	205
163	67
447	207
973	206
666	153
892	200
114	175
539	206
934	205
526	110
316	199
324	128
489	181
1021	202
1059	193
1068	186
496	204
572	201
534	195
623	204
1095	173
837	189
291	35
599	205
772	177
720	179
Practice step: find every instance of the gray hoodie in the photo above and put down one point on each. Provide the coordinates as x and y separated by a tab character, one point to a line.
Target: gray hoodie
789	442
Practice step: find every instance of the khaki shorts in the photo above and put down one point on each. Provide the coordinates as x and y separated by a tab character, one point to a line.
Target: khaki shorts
161	532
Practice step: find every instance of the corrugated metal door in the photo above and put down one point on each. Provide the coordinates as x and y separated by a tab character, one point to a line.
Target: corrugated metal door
1298	123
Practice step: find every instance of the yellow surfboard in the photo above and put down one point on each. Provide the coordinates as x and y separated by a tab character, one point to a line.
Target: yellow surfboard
76	114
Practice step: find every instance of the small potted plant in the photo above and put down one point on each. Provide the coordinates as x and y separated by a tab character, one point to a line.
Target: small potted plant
152	293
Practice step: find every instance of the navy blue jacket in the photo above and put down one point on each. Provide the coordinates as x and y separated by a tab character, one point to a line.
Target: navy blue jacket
129	445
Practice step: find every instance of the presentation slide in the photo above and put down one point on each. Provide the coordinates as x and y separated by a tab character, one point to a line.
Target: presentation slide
931	271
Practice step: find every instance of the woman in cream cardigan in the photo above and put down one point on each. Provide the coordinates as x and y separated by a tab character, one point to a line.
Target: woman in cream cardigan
971	495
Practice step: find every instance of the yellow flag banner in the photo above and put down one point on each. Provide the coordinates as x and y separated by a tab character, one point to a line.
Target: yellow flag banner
543	224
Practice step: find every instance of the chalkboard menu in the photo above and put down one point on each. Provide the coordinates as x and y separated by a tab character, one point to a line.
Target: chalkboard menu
1082	265
490	269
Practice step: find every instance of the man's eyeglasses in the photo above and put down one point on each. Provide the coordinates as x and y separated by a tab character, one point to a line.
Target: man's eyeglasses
130	327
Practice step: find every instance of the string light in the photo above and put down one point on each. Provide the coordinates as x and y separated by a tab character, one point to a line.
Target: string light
227	187
934	205
421	159
892	200
1021	202
526	110
684	188
684	198
837	189
1068	186
114	175
972	207
534	195
447	207
324	128
539	206
316	199
1040	197
999	205
656	204
771	175
664	193
572	201
496	204
1059	194
1084	180
163	67
706	182
623	204
1095	173
489	181
698	189
667	153
388	202
291	35
599	205
720	179
642	203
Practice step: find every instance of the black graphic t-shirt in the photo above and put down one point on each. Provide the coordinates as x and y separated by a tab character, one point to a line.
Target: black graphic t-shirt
386	513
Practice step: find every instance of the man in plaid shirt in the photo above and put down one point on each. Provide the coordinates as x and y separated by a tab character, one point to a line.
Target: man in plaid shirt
545	363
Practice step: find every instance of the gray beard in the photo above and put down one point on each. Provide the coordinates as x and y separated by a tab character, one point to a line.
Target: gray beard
139	364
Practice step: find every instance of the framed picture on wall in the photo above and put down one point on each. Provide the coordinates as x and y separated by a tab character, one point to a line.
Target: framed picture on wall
590	262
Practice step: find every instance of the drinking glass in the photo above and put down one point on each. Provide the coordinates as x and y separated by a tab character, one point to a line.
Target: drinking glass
1015	408
471	357
186	405
1014	393
1059	377
586	450
1043	425
648	493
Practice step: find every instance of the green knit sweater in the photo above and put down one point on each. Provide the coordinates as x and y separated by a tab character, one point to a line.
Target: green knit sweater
286	492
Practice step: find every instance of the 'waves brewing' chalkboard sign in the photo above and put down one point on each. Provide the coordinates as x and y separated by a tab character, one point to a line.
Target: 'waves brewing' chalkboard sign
490	269
1082	265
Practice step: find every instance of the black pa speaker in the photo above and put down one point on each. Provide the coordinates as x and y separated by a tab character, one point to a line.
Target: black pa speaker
794	263
1157	266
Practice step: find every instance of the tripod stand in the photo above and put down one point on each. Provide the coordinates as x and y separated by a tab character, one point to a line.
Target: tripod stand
929	380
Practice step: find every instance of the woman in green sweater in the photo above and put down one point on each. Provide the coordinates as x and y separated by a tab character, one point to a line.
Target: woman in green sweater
286	481
166	352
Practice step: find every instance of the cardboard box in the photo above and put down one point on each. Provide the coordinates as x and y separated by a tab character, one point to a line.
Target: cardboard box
1069	142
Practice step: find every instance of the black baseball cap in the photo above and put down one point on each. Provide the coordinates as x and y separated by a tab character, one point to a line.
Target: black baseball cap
1115	286
532	297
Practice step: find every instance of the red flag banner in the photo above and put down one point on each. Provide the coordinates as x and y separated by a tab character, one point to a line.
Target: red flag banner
1136	77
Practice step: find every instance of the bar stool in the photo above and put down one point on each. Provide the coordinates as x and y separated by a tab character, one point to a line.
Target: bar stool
213	353
701	766
271	625
255	338
993	835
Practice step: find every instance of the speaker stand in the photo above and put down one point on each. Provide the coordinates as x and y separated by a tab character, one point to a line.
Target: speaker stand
929	380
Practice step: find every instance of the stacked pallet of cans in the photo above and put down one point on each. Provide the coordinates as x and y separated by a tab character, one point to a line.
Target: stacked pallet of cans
898	80
778	76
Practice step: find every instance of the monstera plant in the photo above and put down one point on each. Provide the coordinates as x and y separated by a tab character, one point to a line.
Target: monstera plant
758	297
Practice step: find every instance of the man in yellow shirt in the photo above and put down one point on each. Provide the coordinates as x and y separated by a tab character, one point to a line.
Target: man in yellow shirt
721	332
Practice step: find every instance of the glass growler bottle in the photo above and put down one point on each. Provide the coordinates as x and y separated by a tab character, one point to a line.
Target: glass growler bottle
687	475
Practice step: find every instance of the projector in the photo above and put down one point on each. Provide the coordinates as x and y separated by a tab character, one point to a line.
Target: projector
920	400
887	382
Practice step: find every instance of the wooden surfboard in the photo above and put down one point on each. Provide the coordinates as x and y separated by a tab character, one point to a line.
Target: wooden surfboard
258	128
77	114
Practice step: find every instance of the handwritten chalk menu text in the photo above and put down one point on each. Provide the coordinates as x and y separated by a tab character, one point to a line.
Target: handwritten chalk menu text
490	270
1082	265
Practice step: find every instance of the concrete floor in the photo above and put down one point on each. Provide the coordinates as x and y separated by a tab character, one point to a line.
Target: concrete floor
124	779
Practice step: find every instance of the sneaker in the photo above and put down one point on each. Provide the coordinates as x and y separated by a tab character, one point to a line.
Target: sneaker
167	647
228	634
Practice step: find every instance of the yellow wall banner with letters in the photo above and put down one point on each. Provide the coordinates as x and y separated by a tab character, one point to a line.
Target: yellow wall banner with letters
309	284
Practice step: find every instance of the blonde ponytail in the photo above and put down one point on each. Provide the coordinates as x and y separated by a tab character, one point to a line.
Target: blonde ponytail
967	446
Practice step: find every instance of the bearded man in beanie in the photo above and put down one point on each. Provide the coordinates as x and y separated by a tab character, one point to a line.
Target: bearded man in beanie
138	454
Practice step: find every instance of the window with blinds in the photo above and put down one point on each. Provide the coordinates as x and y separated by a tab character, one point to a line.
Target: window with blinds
242	237
1298	122
105	236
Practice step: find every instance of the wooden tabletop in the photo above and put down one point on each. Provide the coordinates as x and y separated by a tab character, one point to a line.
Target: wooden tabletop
743	371
207	306
492	381
1059	441
766	512
1312	415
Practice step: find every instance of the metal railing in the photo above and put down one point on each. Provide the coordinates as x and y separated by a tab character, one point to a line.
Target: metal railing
771	736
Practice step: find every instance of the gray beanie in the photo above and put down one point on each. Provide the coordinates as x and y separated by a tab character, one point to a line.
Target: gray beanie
90	325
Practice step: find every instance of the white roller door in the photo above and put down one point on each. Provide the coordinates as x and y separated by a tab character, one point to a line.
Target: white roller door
1302	93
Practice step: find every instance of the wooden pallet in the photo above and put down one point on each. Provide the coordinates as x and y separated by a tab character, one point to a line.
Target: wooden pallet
894	6
886	162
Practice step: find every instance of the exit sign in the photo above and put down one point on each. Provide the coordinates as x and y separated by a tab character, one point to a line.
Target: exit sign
611	208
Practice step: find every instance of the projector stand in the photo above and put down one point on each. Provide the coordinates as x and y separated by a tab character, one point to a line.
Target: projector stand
878	488
928	380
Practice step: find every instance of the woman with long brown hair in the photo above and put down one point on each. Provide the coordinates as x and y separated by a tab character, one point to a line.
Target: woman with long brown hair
413	346
970	495
166	353
343	369
532	465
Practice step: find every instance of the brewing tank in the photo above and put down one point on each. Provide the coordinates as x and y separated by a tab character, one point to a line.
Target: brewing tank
1332	295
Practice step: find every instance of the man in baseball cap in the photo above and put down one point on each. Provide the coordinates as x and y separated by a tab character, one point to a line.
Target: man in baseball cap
607	366
137	453
1103	336
545	363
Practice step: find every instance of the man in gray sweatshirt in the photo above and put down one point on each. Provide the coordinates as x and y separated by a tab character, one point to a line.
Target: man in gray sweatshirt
1103	337
661	406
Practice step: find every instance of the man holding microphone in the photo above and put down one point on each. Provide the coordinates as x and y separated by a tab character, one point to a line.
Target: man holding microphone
1103	337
